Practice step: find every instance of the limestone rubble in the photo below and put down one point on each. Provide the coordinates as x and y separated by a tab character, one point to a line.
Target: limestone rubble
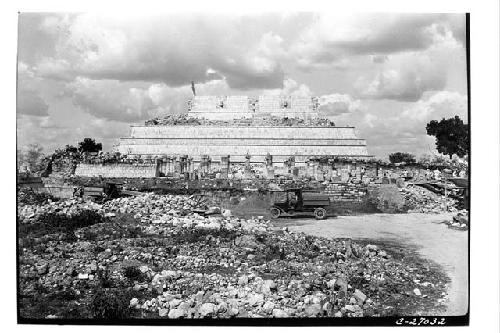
173	263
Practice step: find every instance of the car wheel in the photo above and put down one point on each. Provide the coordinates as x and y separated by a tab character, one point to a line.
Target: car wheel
275	212
320	213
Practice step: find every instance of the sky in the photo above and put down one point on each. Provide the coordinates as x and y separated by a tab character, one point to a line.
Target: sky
93	75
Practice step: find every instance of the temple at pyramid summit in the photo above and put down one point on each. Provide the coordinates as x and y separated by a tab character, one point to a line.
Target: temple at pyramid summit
271	129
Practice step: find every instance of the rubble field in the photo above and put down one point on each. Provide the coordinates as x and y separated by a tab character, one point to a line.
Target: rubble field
151	256
421	200
460	221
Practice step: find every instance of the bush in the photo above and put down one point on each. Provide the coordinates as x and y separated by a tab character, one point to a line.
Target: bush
133	273
388	199
399	157
56	223
28	196
110	304
84	218
105	280
90	235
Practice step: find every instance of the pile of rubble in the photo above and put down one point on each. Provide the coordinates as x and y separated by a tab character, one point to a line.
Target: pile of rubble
28	196
421	200
149	207
460	221
174	119
174	263
184	119
27	213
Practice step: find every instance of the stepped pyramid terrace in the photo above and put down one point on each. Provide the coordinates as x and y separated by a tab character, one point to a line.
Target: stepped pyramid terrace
270	129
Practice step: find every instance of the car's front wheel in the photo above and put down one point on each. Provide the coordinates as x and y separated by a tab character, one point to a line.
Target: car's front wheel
275	212
320	213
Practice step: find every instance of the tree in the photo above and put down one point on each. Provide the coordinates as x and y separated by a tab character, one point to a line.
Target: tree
452	136
425	159
70	149
89	145
399	157
20	157
32	157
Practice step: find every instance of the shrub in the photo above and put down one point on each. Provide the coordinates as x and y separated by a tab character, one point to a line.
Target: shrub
28	196
98	249
110	304
64	295
133	273
84	218
104	277
49	223
399	157
388	199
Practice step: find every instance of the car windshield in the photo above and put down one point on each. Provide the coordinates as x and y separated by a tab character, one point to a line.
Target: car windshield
280	197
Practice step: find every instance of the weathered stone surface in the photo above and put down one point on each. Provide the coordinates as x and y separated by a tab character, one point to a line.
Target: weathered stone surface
313	310
207	309
163	312
359	296
189	272
278	313
176	313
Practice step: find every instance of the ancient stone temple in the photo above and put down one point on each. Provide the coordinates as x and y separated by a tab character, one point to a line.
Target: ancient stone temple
235	127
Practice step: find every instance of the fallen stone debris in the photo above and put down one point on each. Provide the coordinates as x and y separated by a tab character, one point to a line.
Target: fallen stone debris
460	221
421	200
28	196
184	119
151	256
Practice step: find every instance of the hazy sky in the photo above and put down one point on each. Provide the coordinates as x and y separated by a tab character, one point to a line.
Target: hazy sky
82	75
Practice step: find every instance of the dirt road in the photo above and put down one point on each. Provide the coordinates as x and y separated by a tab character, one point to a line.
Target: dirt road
434	241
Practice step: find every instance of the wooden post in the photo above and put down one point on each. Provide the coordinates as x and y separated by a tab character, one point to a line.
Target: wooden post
446	196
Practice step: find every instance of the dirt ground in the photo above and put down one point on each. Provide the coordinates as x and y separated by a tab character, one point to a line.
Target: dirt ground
425	232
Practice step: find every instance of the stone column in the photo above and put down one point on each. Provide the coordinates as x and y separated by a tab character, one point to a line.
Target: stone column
205	164
315	167
171	165
158	165
190	165
269	166
177	165
184	165
248	168
166	168
224	166
289	163
209	164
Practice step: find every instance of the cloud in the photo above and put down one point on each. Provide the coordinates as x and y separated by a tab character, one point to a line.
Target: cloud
390	126
404	85
128	102
406	77
109	99
290	87
440	105
132	49
337	104
379	59
83	75
51	135
334	38
29	101
29	130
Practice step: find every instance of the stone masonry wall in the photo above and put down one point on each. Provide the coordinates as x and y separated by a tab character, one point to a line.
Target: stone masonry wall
116	170
254	132
258	141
